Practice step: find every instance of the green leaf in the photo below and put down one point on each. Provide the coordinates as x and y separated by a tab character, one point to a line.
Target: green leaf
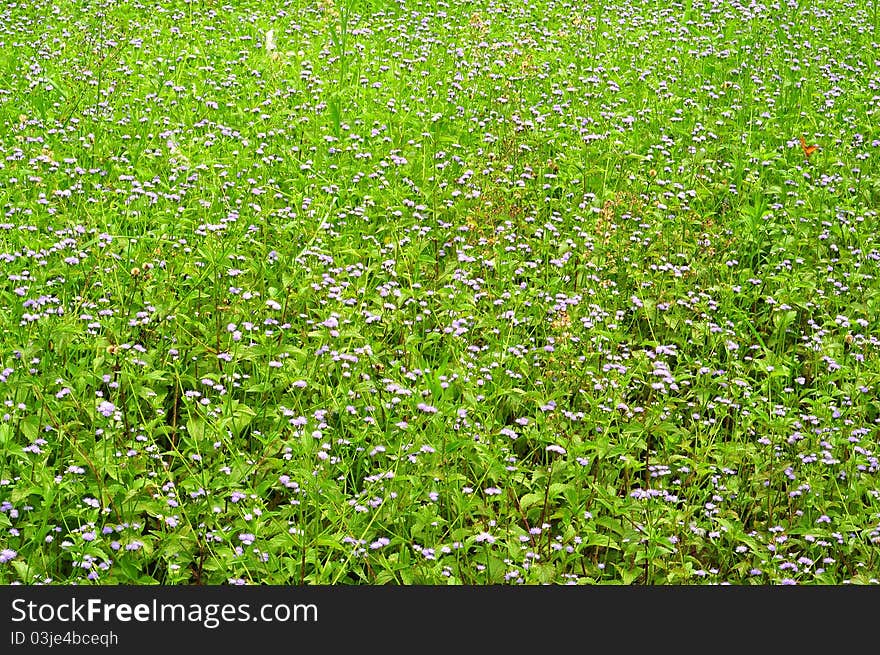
529	500
30	427
241	417
601	540
25	573
195	428
5	433
20	493
260	387
628	576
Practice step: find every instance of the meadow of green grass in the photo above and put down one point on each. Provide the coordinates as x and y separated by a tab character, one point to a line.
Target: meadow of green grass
421	292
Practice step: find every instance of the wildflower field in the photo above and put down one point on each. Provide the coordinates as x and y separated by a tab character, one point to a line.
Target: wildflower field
426	292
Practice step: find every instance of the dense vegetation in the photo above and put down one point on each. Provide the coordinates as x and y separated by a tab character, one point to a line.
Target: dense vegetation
449	293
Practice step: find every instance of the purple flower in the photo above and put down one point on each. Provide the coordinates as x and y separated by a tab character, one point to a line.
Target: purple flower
106	408
6	555
380	542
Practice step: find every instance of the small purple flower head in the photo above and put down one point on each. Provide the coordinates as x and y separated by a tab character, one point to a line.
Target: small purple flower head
106	408
7	555
379	543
